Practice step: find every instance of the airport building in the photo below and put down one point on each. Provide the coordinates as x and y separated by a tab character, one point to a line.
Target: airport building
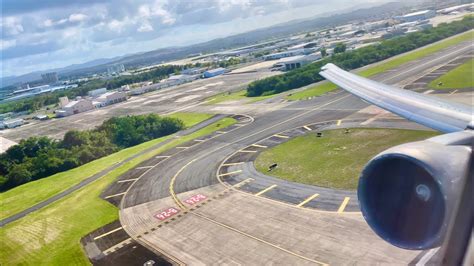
180	79
294	62
193	71
12	123
111	98
214	72
73	107
288	53
420	15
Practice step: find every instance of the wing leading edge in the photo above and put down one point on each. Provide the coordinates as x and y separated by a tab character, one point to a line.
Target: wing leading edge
432	112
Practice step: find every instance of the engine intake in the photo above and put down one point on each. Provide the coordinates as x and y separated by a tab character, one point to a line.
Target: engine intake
408	193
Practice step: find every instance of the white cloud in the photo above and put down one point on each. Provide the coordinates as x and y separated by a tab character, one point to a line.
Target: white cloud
12	25
116	25
145	27
77	17
5	44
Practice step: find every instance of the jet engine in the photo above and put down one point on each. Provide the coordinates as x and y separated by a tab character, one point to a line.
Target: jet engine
408	194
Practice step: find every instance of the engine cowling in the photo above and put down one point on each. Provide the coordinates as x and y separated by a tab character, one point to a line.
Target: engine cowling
408	193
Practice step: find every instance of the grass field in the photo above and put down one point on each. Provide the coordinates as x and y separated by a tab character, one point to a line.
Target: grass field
336	159
322	88
459	78
235	96
51	235
314	91
191	119
22	197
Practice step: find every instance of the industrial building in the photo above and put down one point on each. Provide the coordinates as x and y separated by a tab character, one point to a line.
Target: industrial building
50	78
294	62
214	72
180	79
288	53
12	123
193	71
111	98
456	8
420	15
73	107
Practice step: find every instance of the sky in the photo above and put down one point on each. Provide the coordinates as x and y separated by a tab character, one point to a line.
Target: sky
45	34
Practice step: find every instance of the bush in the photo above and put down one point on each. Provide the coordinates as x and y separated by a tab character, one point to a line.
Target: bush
38	157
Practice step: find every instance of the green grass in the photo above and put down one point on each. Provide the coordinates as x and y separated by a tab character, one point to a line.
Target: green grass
24	196
458	78
397	61
313	91
235	96
336	159
191	119
51	235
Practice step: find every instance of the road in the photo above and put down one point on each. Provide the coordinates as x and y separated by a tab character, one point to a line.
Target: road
246	227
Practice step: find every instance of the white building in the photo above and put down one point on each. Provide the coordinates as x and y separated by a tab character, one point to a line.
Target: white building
298	61
75	107
288	53
111	98
180	79
193	71
12	123
419	15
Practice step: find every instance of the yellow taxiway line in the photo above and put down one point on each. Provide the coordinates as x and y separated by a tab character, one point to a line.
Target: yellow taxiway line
310	198
343	204
265	190
231	173
259	146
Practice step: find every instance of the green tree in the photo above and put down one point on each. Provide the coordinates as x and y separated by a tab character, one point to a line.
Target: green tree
340	48
19	174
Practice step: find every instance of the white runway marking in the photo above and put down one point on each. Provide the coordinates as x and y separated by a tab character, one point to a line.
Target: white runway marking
108	233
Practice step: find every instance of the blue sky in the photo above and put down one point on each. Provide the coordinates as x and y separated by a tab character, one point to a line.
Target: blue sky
43	34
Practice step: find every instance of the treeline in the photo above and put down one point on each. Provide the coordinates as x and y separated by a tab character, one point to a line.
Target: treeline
38	157
37	102
357	58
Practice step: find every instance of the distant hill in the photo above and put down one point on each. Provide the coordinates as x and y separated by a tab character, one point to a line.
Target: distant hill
243	39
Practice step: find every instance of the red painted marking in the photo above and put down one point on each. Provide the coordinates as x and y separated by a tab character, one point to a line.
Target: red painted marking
195	199
167	213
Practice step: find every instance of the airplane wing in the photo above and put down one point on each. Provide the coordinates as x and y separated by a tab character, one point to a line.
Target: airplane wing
429	111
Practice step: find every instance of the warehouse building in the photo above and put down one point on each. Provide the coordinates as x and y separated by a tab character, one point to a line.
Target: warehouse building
12	123
110	98
180	79
420	15
74	107
214	72
288	53
294	62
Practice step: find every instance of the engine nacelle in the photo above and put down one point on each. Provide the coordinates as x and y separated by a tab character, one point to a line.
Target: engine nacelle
408	193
